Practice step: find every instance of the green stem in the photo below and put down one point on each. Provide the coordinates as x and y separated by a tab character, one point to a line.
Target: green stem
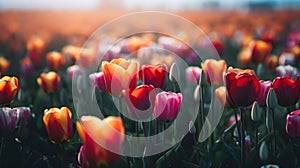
62	147
2	146
274	130
242	139
256	135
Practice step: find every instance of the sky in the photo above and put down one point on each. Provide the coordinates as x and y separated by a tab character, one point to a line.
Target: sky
127	4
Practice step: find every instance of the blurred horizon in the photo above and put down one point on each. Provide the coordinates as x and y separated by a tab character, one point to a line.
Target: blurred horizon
178	5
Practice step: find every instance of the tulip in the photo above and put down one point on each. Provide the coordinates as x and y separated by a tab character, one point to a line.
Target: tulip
140	101
193	74
221	95
120	74
9	119
242	88
214	71
58	124
244	56
24	112
260	51
287	71
265	86
4	65
293	124
286	59
36	47
74	70
55	61
219	47
174	45
97	80
87	58
167	106
49	82
287	90
271	62
237	70
102	140
154	75
71	53
27	68
9	87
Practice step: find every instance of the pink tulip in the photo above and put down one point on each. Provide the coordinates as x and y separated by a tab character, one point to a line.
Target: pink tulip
193	74
265	86
167	106
97	80
9	119
293	124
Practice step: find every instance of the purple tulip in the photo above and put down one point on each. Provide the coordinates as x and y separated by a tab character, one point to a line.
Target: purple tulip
293	124
265	86
97	80
9	119
287	71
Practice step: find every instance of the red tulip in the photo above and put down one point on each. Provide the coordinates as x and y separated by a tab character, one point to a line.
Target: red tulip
167	106
265	86
49	82
120	74
58	124
9	87
287	90
36	47
140	101
102	140
219	47
154	75
293	124
242	88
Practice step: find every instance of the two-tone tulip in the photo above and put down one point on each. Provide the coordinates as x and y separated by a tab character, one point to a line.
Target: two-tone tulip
9	87
120	74
260	51
36	47
102	140
49	82
167	106
58	124
193	74
9	119
154	75
4	65
55	60
214	71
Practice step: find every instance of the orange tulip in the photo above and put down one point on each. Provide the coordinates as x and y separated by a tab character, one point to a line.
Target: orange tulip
58	124
9	87
71	53
260	51
49	82
214	71
102	140
271	62
55	60
221	95
237	70
244	57
120	74
4	65
36	47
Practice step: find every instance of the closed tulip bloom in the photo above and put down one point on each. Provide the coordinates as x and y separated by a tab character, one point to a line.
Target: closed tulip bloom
242	88
260	51
271	62
193	74
55	60
167	106
74	70
293	124
58	124
4	65
214	71
221	95
97	136
49	82
120	74
154	75
287	71
36	47
9	119
237	70
287	90
9	87
97	80
244	56
140	101
265	86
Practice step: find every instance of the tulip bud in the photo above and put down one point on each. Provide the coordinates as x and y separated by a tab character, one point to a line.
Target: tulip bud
174	73
271	100
214	71
58	124
255	112
55	60
263	151
49	82
154	75
4	65
9	87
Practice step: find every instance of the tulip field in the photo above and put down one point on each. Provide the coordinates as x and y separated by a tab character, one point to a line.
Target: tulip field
155	89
